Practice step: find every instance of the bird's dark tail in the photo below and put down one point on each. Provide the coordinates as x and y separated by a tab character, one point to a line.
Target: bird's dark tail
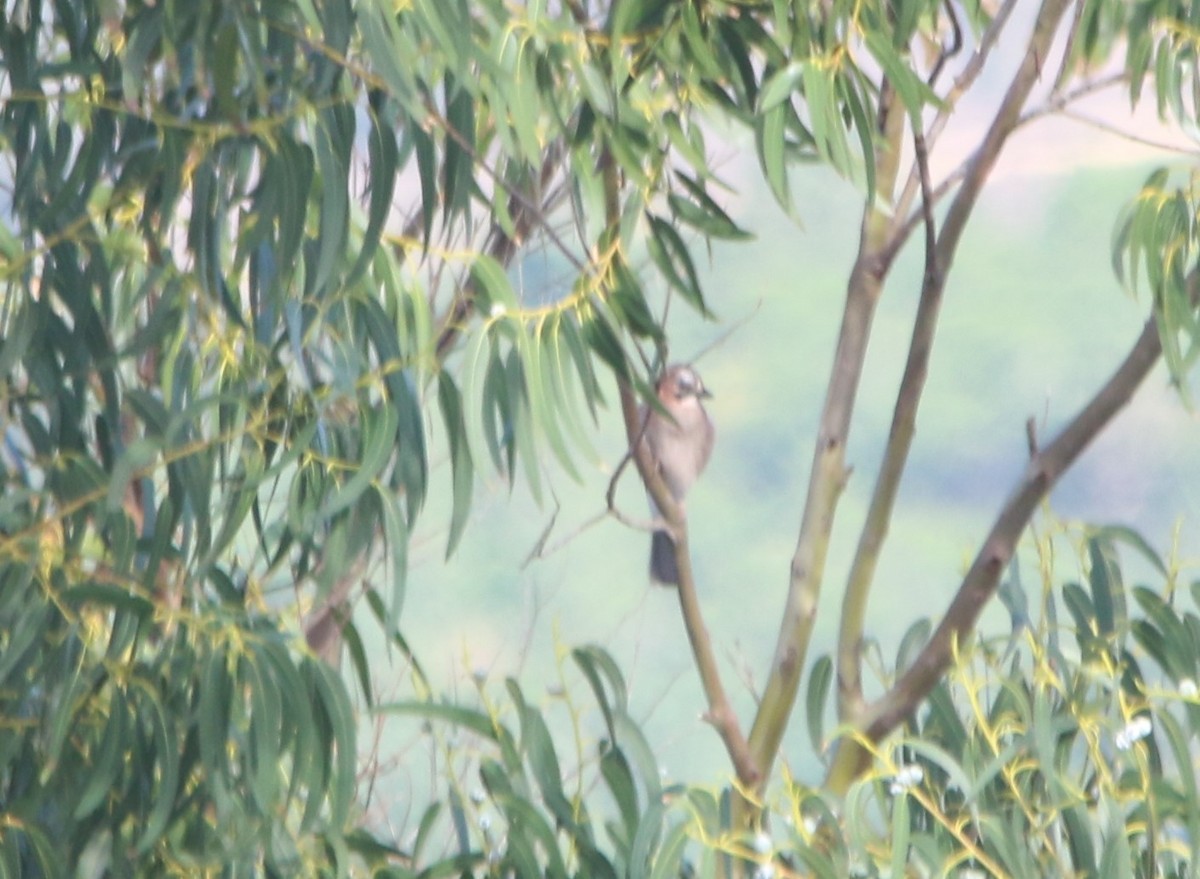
662	559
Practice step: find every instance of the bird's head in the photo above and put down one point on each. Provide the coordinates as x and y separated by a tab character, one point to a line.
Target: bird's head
679	384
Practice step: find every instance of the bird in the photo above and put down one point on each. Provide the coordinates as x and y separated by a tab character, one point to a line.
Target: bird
680	443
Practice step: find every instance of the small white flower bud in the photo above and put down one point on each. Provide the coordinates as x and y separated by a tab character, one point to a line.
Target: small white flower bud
1138	728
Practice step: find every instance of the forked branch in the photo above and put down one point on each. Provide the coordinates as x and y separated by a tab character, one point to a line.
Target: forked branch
829	473
900	436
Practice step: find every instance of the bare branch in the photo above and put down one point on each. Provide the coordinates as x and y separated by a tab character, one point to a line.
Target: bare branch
962	83
947	52
982	579
1059	104
720	713
1115	131
883	499
850	756
1007	118
829	471
1060	101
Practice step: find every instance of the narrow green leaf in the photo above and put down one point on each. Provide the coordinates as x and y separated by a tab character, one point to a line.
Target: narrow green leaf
1108	592
614	769
424	828
427	173
335	702
671	256
771	139
668	861
461	465
395	530
379	425
900	833
106	762
602	339
19	333
912	642
645	842
522	422
493	290
820	680
540	366
779	86
109	595
382	155
598	666
855	92
1116	860
458	161
1134	540
260	689
533	827
913	91
476	721
334	142
634	744
212	717
167	767
704	214
543	762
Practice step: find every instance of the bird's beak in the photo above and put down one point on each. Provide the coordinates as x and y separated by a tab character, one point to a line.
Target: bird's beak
704	393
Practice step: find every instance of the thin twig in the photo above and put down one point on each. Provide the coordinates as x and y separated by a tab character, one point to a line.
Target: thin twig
947	52
720	712
732	328
1109	128
965	79
520	198
1060	100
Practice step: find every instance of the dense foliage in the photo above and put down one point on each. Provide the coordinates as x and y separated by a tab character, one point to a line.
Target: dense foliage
1063	747
254	252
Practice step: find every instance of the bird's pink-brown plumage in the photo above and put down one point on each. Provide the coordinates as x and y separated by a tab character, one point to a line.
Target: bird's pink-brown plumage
680	446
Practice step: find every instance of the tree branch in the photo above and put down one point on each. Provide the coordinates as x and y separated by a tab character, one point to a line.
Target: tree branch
965	79
829	473
851	756
982	579
883	499
1007	118
526	215
720	713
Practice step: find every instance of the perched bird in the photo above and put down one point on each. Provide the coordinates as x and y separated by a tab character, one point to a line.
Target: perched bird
679	443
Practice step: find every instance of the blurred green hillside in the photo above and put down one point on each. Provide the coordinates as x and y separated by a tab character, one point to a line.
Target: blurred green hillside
1034	320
